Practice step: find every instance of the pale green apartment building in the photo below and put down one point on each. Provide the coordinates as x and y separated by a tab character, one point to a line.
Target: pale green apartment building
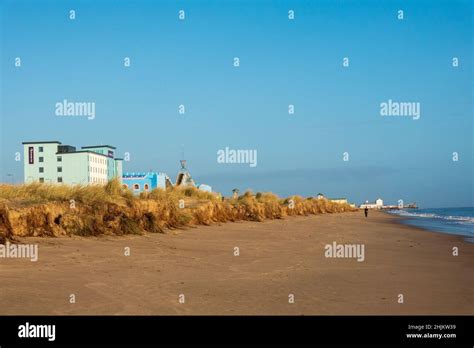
53	162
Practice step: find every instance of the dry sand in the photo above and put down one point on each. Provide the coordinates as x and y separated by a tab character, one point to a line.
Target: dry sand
277	258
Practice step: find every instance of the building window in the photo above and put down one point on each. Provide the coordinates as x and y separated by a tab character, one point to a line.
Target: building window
41	159
60	179
40	149
41	169
136	187
60	169
60	159
146	187
41	179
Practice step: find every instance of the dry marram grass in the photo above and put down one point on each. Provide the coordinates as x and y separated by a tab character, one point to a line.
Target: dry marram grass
53	210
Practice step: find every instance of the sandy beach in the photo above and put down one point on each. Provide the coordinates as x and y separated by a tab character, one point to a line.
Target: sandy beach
277	258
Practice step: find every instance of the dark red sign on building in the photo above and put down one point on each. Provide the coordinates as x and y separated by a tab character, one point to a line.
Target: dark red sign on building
31	155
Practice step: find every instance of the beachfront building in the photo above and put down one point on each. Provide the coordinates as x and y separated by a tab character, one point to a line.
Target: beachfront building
338	200
52	162
145	182
378	204
184	177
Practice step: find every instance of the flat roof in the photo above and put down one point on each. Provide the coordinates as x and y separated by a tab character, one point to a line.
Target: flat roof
85	151
96	146
41	142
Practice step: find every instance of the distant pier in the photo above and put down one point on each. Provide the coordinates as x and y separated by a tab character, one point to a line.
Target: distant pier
408	206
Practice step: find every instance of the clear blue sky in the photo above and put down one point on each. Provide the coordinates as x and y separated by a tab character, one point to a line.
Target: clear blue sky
282	62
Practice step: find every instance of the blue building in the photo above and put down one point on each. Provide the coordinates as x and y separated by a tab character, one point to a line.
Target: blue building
145	182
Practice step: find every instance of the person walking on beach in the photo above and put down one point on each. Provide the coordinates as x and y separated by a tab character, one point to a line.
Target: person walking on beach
366	211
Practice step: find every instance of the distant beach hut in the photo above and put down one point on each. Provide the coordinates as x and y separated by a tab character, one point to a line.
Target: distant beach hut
235	193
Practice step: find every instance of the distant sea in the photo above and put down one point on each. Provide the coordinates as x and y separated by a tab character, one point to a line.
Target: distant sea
459	221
